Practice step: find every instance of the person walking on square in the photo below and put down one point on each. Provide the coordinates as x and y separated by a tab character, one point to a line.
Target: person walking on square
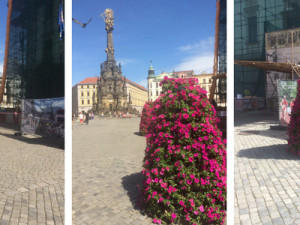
87	118
81	118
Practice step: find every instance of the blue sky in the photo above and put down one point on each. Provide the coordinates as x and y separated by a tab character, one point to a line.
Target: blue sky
3	15
176	35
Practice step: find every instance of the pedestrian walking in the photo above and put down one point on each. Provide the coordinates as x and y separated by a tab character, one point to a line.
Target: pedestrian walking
127	115
81	118
87	118
73	120
102	116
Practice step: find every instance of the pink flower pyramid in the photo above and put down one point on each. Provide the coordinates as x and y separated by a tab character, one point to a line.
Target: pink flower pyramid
185	159
294	125
146	118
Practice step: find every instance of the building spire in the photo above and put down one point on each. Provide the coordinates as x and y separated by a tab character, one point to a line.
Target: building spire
151	71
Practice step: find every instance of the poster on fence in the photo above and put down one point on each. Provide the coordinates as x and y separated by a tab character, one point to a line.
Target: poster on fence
44	117
287	92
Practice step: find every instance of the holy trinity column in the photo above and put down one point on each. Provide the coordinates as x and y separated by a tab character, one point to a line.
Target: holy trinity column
112	91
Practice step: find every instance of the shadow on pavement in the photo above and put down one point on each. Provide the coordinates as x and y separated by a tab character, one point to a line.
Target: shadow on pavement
268	152
130	184
138	134
262	116
279	134
12	127
49	142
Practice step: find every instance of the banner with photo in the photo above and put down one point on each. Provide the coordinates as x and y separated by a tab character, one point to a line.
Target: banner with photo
287	92
44	117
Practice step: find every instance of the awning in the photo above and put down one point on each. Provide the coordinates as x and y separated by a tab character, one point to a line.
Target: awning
272	66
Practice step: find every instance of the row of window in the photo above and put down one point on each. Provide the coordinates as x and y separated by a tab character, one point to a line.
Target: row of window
157	84
156	93
87	86
88	102
88	94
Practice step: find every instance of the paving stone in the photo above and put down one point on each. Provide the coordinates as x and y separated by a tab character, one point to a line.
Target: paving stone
264	170
25	164
107	163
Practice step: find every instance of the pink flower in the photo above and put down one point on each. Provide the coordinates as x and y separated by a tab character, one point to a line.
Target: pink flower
191	159
201	208
187	217
189	182
174	215
181	203
192	176
185	116
196	212
196	180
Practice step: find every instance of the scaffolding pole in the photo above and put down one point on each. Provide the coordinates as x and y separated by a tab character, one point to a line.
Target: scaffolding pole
215	70
2	88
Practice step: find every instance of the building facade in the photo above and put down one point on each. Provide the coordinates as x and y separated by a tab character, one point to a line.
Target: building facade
281	46
7	102
252	20
84	95
137	95
204	80
35	66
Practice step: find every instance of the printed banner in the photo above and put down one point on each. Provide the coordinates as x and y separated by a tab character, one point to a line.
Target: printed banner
287	92
44	117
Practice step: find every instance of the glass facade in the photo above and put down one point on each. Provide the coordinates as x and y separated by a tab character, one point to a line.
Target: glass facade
222	38
252	19
36	53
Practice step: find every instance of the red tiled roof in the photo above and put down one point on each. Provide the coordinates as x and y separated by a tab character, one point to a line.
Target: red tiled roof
89	80
135	84
187	71
183	71
93	80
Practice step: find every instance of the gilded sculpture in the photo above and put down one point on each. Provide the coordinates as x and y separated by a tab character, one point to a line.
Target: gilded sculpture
109	19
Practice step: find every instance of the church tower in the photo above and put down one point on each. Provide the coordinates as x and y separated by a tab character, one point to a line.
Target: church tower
150	81
112	91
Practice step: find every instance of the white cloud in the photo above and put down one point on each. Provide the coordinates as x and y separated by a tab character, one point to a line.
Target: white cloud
198	63
203	45
197	56
1	67
125	61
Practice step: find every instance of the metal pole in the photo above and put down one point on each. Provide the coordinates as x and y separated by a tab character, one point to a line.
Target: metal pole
293	54
10	2
215	70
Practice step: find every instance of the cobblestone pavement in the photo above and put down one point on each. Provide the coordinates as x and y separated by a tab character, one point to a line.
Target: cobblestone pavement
267	178
107	161
31	180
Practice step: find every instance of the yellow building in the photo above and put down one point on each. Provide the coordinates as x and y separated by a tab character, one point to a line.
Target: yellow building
7	102
205	81
84	95
137	95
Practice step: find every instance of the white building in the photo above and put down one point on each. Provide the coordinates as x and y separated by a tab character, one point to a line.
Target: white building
204	80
